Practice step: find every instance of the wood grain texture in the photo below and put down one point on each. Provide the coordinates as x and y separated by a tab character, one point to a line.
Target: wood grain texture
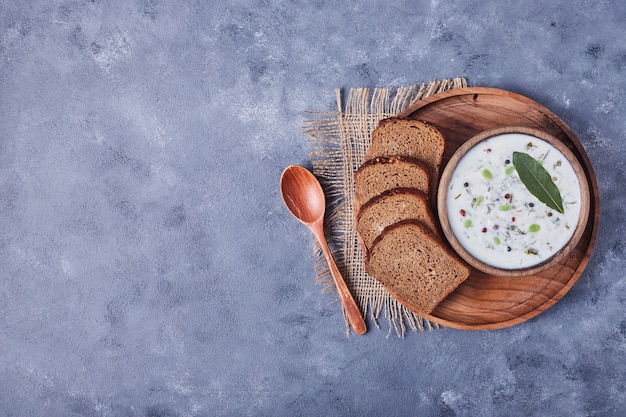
486	301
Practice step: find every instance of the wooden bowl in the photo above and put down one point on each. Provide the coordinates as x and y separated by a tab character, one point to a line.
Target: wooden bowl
490	301
513	271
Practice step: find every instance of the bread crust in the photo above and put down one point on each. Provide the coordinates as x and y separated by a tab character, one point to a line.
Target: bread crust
391	159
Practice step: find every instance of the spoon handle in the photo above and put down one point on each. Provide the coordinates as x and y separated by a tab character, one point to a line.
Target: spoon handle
352	309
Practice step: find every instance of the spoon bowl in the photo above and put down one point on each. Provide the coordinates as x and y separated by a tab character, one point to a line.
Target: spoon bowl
305	199
303	195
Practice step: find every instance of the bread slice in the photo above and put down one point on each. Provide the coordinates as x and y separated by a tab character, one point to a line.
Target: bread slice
412	138
378	175
391	207
414	266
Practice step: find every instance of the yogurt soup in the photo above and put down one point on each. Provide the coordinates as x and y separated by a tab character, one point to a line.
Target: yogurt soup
494	216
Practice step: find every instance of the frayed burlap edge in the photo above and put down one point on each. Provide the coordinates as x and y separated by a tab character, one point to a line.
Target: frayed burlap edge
338	142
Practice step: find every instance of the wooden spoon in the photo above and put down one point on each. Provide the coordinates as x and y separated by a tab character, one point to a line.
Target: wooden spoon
304	197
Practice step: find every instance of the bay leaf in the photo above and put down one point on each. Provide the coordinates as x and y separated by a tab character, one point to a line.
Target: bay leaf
537	180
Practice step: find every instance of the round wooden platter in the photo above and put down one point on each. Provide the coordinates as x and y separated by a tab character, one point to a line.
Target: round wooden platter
486	301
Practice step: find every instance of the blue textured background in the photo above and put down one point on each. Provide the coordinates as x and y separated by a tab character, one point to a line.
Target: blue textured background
148	267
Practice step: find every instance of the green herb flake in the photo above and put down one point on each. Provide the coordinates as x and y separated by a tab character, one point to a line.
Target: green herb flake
509	170
504	207
467	223
487	174
538	181
496	239
478	200
534	228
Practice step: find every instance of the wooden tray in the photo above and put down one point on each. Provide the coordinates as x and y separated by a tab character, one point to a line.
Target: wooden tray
486	301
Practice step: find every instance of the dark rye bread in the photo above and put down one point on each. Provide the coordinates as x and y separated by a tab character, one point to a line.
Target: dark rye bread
391	207
378	175
412	138
414	266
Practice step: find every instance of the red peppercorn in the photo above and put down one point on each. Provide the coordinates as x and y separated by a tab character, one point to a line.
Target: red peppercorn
488	150
496	227
462	212
507	196
484	230
512	219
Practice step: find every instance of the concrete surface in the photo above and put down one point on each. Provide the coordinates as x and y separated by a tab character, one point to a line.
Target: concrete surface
148	267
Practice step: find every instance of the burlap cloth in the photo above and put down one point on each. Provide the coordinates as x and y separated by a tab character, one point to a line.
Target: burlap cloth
338	142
